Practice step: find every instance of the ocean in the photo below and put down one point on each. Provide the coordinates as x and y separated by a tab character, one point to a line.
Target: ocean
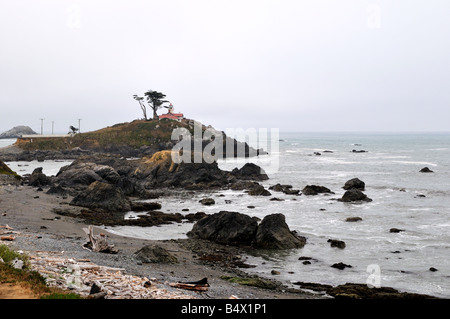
403	198
7	141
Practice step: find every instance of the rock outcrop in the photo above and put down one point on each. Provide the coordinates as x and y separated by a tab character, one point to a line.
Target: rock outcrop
315	190
155	254
230	228
354	195
426	170
103	196
355	183
274	233
250	171
38	178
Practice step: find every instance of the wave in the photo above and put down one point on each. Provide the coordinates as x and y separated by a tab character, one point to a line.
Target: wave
416	163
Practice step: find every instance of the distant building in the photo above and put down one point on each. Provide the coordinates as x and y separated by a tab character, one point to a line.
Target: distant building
171	115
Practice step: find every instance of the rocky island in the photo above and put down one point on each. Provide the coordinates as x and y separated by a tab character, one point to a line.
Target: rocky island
18	132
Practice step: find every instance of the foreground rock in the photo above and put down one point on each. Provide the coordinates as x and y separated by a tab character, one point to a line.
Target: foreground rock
274	233
426	170
155	254
354	195
232	228
103	196
38	178
229	228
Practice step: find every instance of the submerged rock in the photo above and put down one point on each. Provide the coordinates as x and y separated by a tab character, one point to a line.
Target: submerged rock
395	230
207	201
426	170
353	219
354	195
287	189
336	243
341	266
315	190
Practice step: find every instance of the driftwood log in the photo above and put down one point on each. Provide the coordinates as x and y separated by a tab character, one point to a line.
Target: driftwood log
98	243
201	285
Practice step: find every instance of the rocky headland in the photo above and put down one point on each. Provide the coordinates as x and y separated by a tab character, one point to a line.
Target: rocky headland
102	184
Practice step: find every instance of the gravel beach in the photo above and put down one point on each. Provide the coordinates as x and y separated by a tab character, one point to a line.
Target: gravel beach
30	213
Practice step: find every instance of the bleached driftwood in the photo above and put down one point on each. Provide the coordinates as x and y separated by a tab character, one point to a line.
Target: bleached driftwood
112	282
98	243
201	285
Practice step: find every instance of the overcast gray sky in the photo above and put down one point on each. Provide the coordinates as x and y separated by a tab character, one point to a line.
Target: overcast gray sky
311	65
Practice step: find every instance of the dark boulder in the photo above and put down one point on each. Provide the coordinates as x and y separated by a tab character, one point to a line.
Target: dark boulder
230	228
353	219
315	190
76	174
354	195
336	243
341	266
155	254
250	171
274	233
355	183
144	206
426	170
395	230
38	178
57	190
244	185
104	196
207	201
287	189
259	190
161	171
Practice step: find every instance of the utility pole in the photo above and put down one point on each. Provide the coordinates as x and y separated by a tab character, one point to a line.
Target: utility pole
42	126
79	126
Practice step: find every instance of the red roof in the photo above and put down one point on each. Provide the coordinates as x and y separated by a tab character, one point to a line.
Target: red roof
171	116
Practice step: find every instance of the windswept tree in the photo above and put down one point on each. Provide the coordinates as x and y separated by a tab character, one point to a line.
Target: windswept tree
155	101
73	130
141	103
